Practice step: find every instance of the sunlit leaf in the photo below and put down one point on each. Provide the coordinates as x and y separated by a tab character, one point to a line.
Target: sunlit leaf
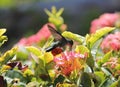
73	36
2	31
3	39
33	84
7	56
82	49
105	58
34	50
48	57
99	33
22	53
4	68
52	74
66	85
28	72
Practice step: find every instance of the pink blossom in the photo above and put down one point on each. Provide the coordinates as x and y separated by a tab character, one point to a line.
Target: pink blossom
22	41
68	62
111	42
113	65
112	62
105	20
42	34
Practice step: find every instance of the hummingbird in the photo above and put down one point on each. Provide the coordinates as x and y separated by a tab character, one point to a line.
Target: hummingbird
59	41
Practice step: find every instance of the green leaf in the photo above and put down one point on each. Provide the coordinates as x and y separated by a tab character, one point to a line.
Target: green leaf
82	49
7	56
107	82
53	10
66	85
114	84
48	13
2	31
73	36
90	61
105	58
85	80
101	76
33	84
3	39
60	12
59	79
34	50
96	51
99	33
36	54
96	80
28	72
50	69
119	82
48	57
16	74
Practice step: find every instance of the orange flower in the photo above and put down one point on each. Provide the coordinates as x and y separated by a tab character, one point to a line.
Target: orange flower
68	62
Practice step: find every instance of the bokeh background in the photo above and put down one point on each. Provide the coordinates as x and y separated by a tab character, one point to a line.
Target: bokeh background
23	18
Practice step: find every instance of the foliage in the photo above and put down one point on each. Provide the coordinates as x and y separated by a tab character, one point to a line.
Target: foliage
82	63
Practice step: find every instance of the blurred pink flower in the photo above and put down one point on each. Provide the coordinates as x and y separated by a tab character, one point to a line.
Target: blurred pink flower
68	62
105	20
111	42
42	34
112	62
113	65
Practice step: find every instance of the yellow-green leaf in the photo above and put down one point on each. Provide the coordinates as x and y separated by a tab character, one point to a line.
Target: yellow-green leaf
73	36
3	39
99	33
8	55
36	54
105	58
48	57
81	49
53	10
48	13
34	50
28	72
4	68
60	12
66	85
2	31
